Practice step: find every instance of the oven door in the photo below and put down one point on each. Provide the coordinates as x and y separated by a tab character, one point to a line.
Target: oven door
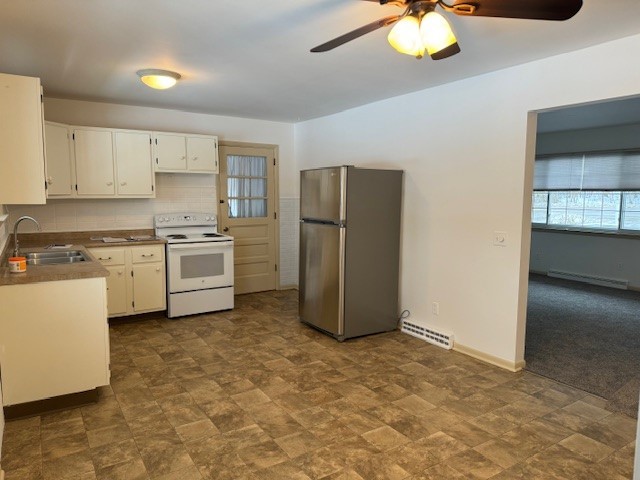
198	266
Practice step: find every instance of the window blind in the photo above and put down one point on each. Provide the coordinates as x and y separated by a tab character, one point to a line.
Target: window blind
588	171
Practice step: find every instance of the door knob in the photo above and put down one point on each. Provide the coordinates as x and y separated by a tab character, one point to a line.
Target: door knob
225	229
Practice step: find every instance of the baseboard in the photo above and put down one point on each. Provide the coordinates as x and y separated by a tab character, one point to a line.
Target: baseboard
61	402
487	358
635	288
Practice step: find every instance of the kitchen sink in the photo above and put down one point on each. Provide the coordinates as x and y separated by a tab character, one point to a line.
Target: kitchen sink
55	258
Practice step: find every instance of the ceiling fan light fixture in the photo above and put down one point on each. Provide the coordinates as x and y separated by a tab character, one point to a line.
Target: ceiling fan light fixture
158	79
437	36
405	36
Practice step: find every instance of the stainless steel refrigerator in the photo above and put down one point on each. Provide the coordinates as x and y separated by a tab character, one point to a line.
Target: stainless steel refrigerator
349	250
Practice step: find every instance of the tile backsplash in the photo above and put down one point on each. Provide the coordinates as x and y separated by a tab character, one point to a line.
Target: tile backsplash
175	192
289	241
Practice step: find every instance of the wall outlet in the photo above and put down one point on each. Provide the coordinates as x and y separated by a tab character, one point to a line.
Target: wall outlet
435	308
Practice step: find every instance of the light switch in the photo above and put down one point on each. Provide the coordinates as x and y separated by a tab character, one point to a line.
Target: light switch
500	239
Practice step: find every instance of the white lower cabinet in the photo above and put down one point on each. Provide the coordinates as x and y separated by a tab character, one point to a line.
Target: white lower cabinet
136	283
54	339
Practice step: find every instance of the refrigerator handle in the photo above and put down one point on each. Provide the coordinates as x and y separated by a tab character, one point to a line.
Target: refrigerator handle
343	194
341	281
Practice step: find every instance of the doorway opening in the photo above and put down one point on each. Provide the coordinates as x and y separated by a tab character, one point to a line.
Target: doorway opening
583	313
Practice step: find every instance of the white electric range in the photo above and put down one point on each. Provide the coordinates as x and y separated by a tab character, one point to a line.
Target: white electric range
199	263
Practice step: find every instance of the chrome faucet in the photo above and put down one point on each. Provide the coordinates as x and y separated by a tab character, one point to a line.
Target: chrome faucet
16	245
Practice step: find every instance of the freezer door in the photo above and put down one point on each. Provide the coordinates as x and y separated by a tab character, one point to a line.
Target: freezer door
323	194
321	276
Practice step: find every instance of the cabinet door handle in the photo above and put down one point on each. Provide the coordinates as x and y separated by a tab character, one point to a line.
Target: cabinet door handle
122	184
144	255
50	180
184	157
100	258
157	269
120	273
195	158
109	184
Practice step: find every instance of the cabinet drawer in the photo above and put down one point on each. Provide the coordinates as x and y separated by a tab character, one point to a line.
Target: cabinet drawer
109	256
147	253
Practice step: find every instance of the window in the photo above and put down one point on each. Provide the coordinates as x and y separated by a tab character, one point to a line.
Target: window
591	191
590	210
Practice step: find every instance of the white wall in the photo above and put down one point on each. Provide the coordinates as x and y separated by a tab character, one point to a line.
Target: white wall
174	192
600	255
467	152
609	257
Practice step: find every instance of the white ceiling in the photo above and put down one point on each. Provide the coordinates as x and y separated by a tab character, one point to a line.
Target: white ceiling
250	58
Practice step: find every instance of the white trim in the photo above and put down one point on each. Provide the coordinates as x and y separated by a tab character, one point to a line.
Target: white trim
493	360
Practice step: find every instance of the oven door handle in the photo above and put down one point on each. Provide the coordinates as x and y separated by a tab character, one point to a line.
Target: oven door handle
200	245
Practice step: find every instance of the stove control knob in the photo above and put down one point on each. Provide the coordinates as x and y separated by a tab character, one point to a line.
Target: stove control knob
160	219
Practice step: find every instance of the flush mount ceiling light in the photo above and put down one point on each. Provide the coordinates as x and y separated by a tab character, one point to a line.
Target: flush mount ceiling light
158	79
419	28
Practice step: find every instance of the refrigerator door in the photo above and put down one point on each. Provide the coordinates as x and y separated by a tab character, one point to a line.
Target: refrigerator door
323	194
321	276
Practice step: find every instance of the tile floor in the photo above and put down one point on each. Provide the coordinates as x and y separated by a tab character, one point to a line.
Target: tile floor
253	394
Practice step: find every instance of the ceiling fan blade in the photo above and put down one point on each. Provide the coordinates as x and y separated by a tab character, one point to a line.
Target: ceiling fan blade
447	52
358	32
529	9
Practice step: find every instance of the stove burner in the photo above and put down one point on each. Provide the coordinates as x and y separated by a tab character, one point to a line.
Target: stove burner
177	236
211	235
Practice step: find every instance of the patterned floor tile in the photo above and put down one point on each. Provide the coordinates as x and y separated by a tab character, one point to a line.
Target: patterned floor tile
253	394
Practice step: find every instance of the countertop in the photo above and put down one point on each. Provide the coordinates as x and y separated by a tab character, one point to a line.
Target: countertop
79	241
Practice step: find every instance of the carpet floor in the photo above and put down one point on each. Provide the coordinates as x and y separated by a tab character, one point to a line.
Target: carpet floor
586	336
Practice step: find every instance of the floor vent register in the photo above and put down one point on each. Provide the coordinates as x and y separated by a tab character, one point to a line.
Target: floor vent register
429	334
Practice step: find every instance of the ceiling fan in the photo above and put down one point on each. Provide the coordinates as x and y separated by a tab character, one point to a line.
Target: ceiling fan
420	28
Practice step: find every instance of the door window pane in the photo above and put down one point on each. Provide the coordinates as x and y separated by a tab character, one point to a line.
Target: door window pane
247	186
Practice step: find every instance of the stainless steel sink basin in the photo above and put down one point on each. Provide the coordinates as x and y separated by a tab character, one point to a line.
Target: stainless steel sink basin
55	258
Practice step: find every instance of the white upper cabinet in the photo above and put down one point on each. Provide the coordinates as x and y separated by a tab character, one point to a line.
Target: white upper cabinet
60	172
21	141
202	154
176	152
95	174
113	163
171	152
134	164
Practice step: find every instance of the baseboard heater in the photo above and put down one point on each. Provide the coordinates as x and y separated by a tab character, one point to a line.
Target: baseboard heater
592	279
429	334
